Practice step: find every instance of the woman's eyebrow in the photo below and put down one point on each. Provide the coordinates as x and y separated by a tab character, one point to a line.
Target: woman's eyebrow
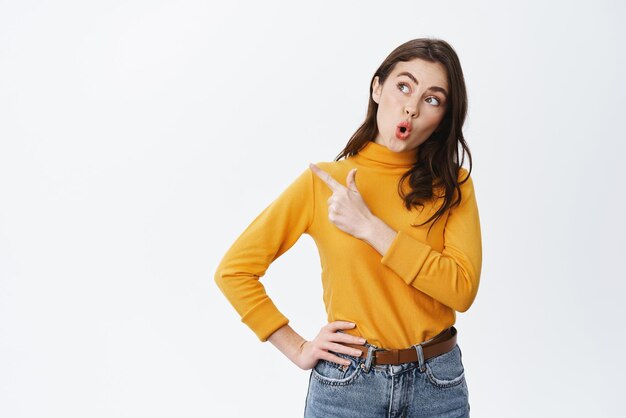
433	88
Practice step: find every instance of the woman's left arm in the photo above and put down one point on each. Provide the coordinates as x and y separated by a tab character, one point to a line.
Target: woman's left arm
450	276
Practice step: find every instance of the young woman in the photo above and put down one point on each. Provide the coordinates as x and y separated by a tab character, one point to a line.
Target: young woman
396	224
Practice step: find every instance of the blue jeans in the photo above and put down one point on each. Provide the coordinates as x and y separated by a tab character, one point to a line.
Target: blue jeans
432	388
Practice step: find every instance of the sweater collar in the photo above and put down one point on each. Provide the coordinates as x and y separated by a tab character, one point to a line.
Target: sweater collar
374	154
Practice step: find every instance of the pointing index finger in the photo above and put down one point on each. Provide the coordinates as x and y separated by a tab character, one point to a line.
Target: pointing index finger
326	178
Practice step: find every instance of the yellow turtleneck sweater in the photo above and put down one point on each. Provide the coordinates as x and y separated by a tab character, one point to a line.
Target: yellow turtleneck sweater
397	300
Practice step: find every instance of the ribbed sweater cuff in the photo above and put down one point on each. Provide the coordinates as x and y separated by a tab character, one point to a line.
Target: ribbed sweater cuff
264	319
406	256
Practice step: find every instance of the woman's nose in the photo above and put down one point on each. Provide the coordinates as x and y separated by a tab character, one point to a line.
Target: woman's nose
411	109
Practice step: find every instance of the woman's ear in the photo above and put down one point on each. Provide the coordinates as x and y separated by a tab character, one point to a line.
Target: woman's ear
376	90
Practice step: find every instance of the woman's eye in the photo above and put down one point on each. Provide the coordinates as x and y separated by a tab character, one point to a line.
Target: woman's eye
437	103
403	87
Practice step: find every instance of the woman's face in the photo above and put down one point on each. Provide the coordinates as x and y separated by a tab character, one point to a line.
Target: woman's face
411	103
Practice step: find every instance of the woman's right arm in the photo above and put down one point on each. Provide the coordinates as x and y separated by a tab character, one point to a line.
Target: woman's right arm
269	235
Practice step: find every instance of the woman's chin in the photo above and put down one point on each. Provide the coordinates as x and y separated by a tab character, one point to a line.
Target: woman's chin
398	145
395	144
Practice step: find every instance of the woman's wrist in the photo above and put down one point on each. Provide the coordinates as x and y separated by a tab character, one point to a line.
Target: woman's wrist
288	342
379	235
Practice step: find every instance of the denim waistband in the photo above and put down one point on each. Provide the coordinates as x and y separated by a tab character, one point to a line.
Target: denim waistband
367	362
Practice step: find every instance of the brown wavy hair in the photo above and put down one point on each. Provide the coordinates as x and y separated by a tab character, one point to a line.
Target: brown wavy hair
437	164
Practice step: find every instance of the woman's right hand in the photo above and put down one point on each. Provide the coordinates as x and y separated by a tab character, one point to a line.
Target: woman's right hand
328	339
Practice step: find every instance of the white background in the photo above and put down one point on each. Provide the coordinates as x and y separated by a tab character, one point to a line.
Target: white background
139	139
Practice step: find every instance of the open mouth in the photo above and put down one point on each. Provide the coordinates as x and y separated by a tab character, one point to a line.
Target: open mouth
403	130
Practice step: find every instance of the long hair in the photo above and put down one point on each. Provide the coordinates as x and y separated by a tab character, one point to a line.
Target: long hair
437	165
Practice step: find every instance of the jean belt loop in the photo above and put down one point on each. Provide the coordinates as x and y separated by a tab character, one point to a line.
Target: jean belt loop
368	361
420	357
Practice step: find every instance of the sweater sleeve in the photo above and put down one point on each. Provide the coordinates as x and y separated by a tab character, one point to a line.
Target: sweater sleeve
451	276
267	237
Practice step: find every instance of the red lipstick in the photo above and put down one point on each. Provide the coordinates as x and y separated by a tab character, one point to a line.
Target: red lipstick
403	130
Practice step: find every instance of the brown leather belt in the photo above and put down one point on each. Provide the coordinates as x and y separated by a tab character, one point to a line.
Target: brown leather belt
439	344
